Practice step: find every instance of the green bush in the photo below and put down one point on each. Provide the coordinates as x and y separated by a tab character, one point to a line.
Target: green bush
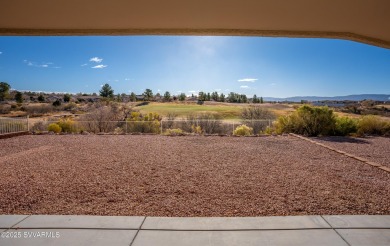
308	121
54	127
243	130
174	132
345	126
373	125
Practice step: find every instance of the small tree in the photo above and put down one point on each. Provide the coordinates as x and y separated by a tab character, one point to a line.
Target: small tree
106	91
57	103
148	94
255	99
261	100
41	98
133	97
182	97
4	90
215	96
222	97
167	96
66	98
19	97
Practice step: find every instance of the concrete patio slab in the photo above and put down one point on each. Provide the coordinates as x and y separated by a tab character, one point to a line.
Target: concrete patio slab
363	237
72	237
358	221
235	223
7	221
248	238
81	221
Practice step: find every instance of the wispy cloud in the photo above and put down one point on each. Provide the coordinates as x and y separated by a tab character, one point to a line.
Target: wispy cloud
96	59
272	84
193	91
35	64
1	52
83	65
251	80
99	66
127	79
244	87
218	89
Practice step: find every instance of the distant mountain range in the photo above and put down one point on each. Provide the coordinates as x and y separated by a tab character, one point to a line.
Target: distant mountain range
375	97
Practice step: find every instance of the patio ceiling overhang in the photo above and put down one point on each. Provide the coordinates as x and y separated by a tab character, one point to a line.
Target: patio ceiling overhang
366	21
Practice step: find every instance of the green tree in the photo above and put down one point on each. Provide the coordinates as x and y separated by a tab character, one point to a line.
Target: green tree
106	91
255	99
261	100
243	98
41	98
208	97
66	98
133	97
182	97
19	97
222	97
202	96
4	90
167	96
148	94
215	96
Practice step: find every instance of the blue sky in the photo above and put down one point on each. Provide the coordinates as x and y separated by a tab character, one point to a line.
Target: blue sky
268	67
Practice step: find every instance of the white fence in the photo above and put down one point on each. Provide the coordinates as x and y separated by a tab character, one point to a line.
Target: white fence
13	125
204	126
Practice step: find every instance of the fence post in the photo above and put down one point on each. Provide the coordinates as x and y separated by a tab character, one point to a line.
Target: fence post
28	124
233	129
161	127
126	126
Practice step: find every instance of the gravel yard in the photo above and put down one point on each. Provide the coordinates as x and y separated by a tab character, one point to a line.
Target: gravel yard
375	149
188	176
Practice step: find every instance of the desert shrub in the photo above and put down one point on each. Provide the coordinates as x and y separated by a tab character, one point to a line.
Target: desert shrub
68	125
148	123
243	130
257	117
39	126
196	129
102	118
5	109
373	125
70	106
54	127
210	124
174	132
37	110
171	116
268	130
57	103
345	126
308	121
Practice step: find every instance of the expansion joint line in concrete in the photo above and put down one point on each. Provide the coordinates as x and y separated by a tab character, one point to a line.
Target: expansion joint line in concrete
139	228
371	163
334	229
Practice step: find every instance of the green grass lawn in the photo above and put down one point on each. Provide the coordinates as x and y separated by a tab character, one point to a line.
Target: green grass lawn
223	110
182	110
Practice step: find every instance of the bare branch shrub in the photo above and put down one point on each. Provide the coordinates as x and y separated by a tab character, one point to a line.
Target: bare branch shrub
257	118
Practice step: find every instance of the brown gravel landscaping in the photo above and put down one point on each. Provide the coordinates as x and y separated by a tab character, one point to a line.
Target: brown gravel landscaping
188	176
375	149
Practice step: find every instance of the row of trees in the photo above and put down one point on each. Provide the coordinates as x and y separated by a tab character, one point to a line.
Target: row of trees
108	92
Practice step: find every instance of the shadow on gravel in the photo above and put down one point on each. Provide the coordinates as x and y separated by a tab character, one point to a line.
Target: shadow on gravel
343	140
